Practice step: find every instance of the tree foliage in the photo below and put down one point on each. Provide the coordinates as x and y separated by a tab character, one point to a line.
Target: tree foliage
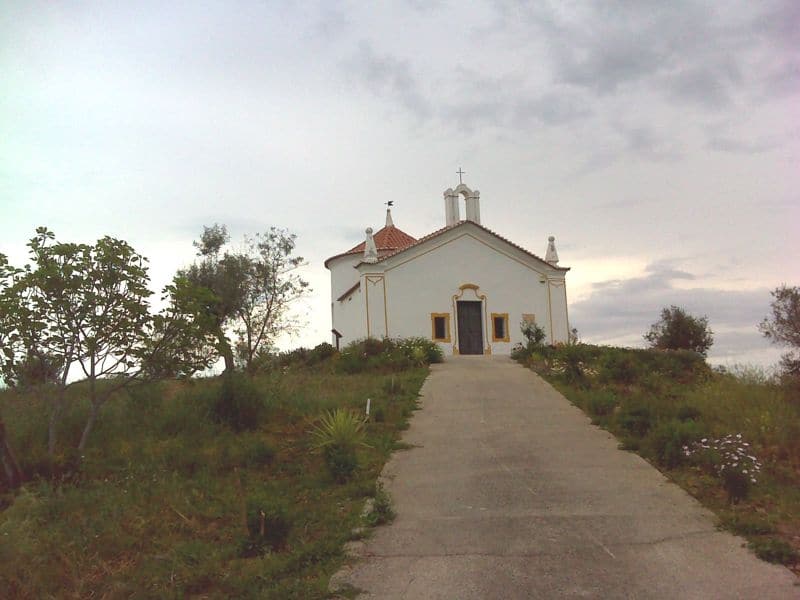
678	330
247	291
85	308
782	327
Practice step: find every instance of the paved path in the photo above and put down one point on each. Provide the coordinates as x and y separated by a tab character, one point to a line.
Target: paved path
511	493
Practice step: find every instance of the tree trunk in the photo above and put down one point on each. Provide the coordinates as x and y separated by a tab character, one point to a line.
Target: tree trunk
93	412
10	464
225	351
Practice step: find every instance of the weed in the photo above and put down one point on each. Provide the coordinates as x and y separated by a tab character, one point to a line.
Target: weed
602	403
747	524
635	419
240	403
268	525
668	441
775	551
687	412
382	511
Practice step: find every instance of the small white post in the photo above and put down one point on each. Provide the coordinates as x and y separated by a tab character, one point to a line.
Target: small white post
368	401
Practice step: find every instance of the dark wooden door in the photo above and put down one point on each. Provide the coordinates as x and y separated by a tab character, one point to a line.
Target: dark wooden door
470	337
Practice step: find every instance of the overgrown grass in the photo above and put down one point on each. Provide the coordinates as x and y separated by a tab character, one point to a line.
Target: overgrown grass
175	499
671	408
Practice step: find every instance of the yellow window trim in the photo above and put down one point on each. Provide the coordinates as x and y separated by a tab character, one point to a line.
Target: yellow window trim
446	317
506	337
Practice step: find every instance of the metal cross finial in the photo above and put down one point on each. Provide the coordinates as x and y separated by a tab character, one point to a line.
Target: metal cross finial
460	173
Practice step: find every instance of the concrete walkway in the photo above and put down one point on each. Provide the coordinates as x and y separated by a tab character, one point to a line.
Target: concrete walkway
512	493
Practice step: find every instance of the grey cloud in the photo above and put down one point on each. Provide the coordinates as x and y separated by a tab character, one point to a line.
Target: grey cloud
389	77
625	309
784	80
552	109
740	146
708	86
645	142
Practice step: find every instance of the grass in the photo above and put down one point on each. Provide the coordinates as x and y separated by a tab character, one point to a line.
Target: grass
659	404
171	502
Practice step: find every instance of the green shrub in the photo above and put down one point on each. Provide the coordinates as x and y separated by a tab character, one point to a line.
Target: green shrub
667	441
573	361
388	355
341	461
268	525
736	483
239	404
338	435
534	335
635	419
602	403
687	412
775	551
619	366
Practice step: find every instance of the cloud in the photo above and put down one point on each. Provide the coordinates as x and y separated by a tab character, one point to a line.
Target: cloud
646	142
621	311
389	77
739	146
552	108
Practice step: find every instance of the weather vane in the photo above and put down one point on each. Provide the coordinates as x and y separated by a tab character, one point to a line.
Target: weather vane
460	173
390	203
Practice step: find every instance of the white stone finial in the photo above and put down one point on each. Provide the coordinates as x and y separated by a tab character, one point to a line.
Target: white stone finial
389	222
551	256
370	250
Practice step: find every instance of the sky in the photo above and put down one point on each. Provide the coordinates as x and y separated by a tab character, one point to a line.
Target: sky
657	141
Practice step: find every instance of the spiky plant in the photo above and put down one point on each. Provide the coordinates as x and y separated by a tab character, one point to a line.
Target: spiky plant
337	436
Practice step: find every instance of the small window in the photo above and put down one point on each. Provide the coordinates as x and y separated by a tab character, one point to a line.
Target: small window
440	327
500	327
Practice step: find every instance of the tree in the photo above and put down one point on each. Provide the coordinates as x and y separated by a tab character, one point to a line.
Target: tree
248	291
86	307
273	284
678	330
783	326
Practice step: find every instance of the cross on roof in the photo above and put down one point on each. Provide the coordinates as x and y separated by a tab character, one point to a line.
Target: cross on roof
460	173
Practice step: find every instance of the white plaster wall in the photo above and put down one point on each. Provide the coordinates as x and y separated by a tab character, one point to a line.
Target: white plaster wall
558	301
347	315
348	318
343	274
425	284
375	304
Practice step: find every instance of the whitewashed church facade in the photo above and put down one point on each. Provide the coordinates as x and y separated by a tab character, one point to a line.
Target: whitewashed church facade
463	286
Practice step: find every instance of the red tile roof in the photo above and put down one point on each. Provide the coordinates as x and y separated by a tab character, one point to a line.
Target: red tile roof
388	240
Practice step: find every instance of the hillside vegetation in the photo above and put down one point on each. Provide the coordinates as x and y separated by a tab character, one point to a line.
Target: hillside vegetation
730	438
207	488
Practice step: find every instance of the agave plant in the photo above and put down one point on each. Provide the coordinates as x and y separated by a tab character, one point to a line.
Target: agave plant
338	435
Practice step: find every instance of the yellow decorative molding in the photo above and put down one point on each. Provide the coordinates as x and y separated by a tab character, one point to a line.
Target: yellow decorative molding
505	337
446	317
482	297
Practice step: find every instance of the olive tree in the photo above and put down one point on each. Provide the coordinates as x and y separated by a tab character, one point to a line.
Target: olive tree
246	291
783	326
678	330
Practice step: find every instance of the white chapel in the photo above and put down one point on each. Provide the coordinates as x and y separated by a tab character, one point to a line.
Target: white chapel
463	286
